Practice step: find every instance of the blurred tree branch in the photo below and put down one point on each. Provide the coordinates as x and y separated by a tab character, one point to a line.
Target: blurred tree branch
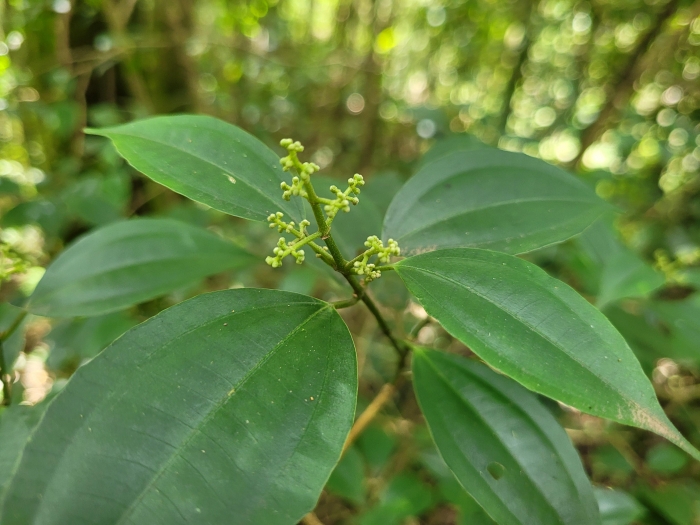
529	10
620	89
117	15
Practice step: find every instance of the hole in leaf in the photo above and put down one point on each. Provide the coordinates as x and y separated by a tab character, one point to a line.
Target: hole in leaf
496	470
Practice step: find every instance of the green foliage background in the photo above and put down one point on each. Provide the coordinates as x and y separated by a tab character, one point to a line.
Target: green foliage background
606	88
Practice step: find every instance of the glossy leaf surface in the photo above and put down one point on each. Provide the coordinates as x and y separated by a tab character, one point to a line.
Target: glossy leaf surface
130	262
504	447
539	331
231	407
490	199
207	160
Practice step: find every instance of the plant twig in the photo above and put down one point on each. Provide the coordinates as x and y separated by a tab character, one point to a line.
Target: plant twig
418	327
311	519
346	303
5	373
361	423
4	336
340	264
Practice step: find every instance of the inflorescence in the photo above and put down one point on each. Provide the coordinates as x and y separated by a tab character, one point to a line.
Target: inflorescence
301	187
360	264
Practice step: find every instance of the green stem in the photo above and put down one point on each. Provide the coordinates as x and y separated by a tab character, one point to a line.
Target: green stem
4	372
346	303
4	336
340	265
6	378
305	240
323	254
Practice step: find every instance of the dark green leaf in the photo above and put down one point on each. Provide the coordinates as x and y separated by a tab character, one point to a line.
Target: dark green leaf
377	446
491	199
681	318
348	478
98	199
617	507
130	262
8	187
505	448
50	216
405	496
539	331
457	142
677	502
231	407
75	340
16	424
666	459
626	275
207	160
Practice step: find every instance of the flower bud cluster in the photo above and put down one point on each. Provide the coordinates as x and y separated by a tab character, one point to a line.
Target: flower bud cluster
343	199
282	250
275	220
362	266
305	170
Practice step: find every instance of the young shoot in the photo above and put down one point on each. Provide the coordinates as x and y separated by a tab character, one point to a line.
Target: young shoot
302	186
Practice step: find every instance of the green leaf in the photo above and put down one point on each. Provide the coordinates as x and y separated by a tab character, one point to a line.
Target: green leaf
207	160
98	199
75	340
348	478
538	331
8	187
677	502
681	318
16	424
405	496
231	407
490	199
504	447
666	459
451	143
129	262
626	275
617	507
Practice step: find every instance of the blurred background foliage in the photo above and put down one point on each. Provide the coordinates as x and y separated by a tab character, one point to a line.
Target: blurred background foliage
605	88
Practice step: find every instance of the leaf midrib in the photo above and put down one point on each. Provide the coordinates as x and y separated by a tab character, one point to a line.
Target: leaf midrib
193	257
492	206
497	438
635	405
206	161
